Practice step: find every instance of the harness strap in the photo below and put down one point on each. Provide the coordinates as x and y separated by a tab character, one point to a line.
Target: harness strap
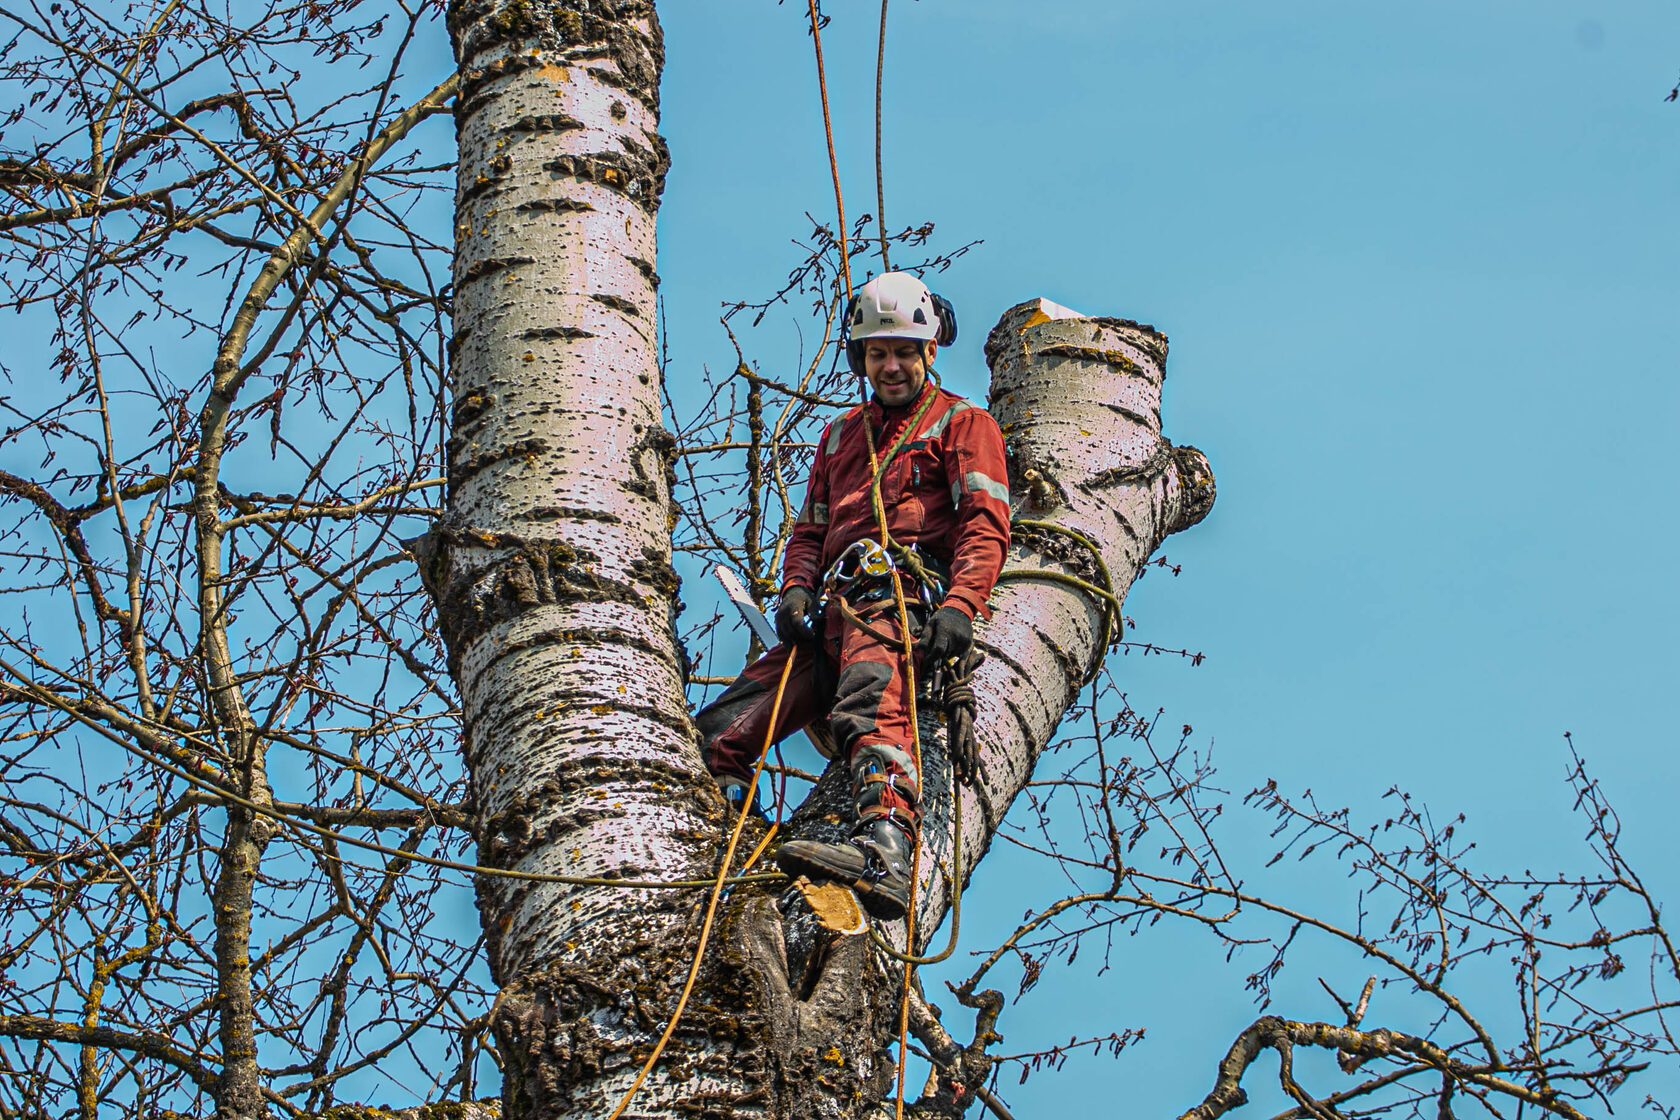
857	620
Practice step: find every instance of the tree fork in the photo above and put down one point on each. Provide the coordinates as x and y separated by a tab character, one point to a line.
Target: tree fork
551	572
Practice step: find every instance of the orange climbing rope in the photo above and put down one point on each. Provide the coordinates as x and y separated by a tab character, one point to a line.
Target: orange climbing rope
880	176
833	164
717	893
877	470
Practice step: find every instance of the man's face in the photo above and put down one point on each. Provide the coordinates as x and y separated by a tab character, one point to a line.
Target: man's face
896	368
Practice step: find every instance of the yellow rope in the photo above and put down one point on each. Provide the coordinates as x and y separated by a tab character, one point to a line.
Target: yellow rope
833	164
877	469
717	893
880	175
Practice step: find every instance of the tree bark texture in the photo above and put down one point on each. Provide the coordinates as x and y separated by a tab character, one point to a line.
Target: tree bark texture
552	578
1079	402
551	570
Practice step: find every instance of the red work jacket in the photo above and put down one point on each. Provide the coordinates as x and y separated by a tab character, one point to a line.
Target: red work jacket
947	491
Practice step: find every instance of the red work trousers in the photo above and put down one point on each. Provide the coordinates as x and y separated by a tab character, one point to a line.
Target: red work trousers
866	703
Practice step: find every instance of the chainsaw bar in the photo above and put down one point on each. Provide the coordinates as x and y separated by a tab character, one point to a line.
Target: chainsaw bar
818	731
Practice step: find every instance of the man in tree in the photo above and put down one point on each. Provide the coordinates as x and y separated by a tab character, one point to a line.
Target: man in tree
944	494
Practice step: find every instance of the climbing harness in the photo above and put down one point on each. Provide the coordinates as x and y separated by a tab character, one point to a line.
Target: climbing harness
865	571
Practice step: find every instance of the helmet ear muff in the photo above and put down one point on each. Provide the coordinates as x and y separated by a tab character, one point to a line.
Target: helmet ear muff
854	357
947	316
854	350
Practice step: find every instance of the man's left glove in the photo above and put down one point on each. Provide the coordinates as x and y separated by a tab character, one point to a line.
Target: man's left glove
793	624
948	634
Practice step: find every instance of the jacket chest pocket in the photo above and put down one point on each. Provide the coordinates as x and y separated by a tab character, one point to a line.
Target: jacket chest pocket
917	472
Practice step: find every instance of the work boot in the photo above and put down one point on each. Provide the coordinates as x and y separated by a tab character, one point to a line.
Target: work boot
736	794
875	863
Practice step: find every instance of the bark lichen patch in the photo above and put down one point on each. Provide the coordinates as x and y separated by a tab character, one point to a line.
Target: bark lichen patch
489	266
569	334
548	1041
557	31
469	408
458	340
655	570
657	441
463	467
473	598
1151	341
617	303
568	513
641	179
1140	474
487	1109
1196	476
483	186
545	122
480	85
641	151
1059	549
560	1027
1114	359
679	787
513	837
554	206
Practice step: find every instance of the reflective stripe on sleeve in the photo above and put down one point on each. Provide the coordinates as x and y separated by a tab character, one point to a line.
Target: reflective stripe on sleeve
984	483
831	445
938	427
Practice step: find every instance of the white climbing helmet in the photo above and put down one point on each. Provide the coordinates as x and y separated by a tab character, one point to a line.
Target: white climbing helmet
893	305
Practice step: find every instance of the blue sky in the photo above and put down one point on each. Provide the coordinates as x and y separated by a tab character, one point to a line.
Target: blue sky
1418	268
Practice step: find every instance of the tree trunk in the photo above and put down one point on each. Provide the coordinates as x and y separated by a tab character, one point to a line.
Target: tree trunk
551	570
551	573
1079	402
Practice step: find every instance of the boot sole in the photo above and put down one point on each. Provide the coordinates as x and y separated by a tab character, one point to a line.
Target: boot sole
879	905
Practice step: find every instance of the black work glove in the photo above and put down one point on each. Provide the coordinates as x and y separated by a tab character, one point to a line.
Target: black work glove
792	626
948	634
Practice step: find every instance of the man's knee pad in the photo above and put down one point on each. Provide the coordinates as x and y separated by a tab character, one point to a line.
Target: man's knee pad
727	708
857	699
